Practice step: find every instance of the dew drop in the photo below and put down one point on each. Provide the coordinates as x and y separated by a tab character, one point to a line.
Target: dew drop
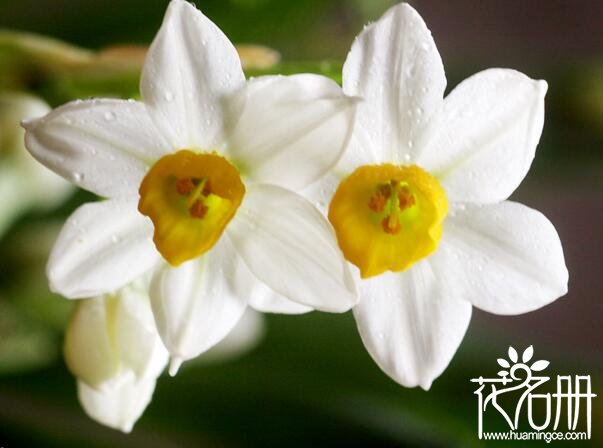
109	116
78	177
169	96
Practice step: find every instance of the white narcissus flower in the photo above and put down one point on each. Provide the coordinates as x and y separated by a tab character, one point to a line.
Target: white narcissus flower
24	183
419	200
201	178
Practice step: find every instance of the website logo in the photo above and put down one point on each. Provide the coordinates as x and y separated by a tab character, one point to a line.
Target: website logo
520	388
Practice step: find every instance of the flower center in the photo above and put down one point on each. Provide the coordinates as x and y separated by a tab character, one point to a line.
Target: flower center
387	217
190	198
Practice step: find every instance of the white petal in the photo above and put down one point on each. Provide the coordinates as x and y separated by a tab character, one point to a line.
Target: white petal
104	146
395	66
198	303
137	342
246	334
103	246
507	257
292	129
483	142
412	322
291	247
263	298
89	350
266	300
189	71
118	407
109	336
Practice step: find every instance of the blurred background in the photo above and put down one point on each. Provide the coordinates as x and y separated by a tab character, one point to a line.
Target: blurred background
308	381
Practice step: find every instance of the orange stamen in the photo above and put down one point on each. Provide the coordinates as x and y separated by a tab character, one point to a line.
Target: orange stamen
185	186
377	202
198	210
406	199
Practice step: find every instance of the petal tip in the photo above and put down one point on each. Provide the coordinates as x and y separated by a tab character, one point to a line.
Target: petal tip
126	427
542	87
175	362
426	385
29	123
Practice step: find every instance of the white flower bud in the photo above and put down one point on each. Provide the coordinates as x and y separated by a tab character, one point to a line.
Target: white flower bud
113	348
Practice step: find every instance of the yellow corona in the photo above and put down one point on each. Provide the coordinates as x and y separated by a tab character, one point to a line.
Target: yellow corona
190	197
387	217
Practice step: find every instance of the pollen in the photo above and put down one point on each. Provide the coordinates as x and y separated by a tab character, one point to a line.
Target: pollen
377	202
185	186
190	198
198	210
388	217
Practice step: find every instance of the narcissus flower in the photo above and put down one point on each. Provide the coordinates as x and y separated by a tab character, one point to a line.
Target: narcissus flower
418	202
202	178
24	183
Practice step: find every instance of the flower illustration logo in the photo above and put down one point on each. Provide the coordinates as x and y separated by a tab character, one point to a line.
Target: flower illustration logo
513	363
523	377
